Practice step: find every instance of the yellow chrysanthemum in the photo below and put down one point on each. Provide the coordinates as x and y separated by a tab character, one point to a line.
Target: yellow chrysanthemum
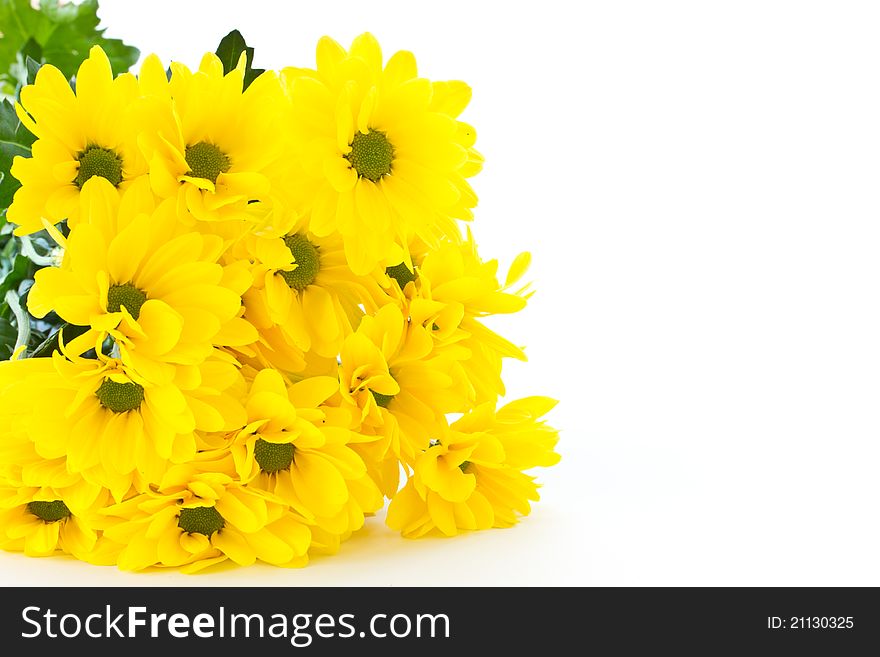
527	439
210	145
149	284
86	140
401	390
383	156
203	522
447	294
112	426
471	477
297	448
305	297
45	509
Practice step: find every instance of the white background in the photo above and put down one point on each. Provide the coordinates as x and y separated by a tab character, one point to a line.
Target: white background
698	182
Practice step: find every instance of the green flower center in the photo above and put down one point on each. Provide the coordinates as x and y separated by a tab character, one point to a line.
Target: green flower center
207	161
125	296
200	520
120	397
307	259
402	274
381	400
464	466
49	511
371	154
97	161
273	457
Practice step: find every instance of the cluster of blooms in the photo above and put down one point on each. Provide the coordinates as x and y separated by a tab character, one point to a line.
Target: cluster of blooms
277	317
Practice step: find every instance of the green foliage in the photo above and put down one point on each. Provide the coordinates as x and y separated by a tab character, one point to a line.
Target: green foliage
229	51
8	336
14	140
31	66
55	34
14	267
61	35
17	272
50	344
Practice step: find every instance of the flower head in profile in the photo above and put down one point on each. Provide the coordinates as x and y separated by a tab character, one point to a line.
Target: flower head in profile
471	476
86	146
448	293
398	387
384	157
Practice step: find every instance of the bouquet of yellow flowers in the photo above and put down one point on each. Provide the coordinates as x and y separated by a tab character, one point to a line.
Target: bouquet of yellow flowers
267	317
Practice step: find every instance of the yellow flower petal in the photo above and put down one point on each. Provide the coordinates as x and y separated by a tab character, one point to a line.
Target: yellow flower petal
77	538
235	546
241	515
169	550
518	268
313	391
340	173
442	514
318	484
138	554
269	547
193	543
161	324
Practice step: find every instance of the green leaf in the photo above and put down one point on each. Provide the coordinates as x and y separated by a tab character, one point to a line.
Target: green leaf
64	32
27	61
8	336
76	32
229	51
31	50
32	66
20	21
50	344
22	269
14	140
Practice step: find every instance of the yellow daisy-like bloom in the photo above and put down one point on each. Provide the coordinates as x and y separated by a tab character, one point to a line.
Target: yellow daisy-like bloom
400	389
528	441
384	158
40	518
471	477
306	298
448	293
153	287
297	449
31	485
210	145
112	426
203	522
86	146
